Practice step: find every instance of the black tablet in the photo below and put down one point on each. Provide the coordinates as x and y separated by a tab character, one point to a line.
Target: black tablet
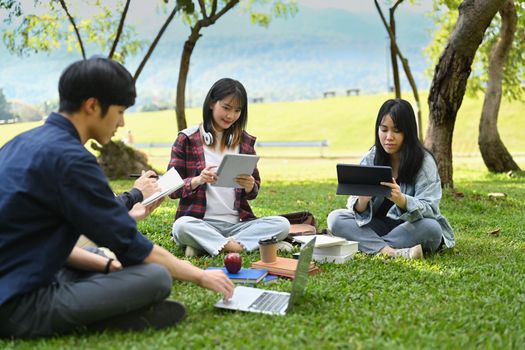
363	180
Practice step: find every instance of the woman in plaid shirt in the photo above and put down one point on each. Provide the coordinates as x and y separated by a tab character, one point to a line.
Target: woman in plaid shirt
219	219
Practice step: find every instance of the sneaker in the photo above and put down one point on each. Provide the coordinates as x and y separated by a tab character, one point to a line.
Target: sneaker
415	252
191	252
157	316
284	246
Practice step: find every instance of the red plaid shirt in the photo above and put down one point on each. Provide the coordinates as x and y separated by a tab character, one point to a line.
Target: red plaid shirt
187	156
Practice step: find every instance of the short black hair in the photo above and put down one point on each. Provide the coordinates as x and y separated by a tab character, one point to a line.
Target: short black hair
102	78
412	150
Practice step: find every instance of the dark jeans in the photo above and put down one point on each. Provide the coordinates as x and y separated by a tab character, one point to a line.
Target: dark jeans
80	298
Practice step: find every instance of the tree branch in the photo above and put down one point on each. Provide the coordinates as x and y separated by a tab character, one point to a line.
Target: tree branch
202	5
383	19
398	2
72	21
119	30
225	9
405	65
213	7
155	42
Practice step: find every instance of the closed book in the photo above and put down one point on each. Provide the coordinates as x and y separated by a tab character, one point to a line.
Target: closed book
336	259
282	267
321	240
245	275
292	274
269	279
347	248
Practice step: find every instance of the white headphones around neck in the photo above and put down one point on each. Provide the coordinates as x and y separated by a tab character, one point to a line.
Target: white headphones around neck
207	137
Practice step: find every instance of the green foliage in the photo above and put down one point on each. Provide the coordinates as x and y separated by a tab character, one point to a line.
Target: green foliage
13	7
276	8
470	297
445	16
47	29
4	107
261	12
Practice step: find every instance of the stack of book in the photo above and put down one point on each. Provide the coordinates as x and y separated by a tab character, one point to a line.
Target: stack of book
330	249
247	275
283	267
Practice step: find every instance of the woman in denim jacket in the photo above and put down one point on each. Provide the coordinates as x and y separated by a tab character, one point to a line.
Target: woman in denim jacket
408	222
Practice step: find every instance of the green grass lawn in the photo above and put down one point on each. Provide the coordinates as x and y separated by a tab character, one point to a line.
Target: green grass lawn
469	297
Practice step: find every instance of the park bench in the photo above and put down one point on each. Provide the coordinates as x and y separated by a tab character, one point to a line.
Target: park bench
258	100
349	92
316	143
328	94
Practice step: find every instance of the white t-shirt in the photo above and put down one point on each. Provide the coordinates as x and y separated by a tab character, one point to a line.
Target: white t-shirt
219	200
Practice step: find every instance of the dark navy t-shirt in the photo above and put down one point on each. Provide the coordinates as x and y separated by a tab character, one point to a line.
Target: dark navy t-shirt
51	191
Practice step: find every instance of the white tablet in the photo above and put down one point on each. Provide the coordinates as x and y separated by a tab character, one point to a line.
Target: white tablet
233	165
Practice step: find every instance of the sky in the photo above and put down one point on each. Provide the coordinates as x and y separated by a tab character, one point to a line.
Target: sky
362	6
335	40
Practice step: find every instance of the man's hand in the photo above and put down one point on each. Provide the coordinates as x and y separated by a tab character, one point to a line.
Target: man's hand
217	281
183	270
140	211
147	183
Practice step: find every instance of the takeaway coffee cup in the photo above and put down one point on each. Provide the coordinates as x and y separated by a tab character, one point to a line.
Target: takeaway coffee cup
268	250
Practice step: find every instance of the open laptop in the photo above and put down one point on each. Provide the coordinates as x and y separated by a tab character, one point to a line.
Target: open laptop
268	301
363	180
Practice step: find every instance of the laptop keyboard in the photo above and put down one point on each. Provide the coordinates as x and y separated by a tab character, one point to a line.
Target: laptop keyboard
270	302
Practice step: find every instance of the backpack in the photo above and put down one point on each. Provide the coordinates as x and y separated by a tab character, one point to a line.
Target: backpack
301	223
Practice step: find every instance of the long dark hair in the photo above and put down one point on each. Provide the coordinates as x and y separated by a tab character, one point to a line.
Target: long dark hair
221	89
412	151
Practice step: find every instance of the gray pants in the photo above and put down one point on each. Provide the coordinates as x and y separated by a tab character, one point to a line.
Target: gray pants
379	233
212	235
81	298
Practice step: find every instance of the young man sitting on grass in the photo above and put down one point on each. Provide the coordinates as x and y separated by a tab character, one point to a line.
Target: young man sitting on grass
52	190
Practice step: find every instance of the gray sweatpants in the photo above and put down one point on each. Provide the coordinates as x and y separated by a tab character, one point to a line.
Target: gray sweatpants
79	298
212	235
379	233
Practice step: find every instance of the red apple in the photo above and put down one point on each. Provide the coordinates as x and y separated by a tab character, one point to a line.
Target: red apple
233	262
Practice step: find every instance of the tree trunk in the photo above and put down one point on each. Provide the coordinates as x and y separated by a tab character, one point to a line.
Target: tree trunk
450	80
393	55
412	82
495	155
189	45
180	103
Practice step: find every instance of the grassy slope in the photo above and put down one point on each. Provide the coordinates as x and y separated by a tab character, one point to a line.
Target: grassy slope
347	122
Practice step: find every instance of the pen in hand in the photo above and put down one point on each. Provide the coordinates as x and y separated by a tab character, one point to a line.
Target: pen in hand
139	175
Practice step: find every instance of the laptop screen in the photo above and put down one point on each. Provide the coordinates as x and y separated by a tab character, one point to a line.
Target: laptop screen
301	273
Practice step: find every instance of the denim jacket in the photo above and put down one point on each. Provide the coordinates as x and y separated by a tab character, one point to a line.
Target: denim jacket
422	197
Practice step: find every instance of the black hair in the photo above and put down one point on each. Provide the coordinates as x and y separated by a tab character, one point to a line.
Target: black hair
102	78
412	151
221	89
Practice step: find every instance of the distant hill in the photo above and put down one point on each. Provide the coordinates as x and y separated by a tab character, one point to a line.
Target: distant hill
294	59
